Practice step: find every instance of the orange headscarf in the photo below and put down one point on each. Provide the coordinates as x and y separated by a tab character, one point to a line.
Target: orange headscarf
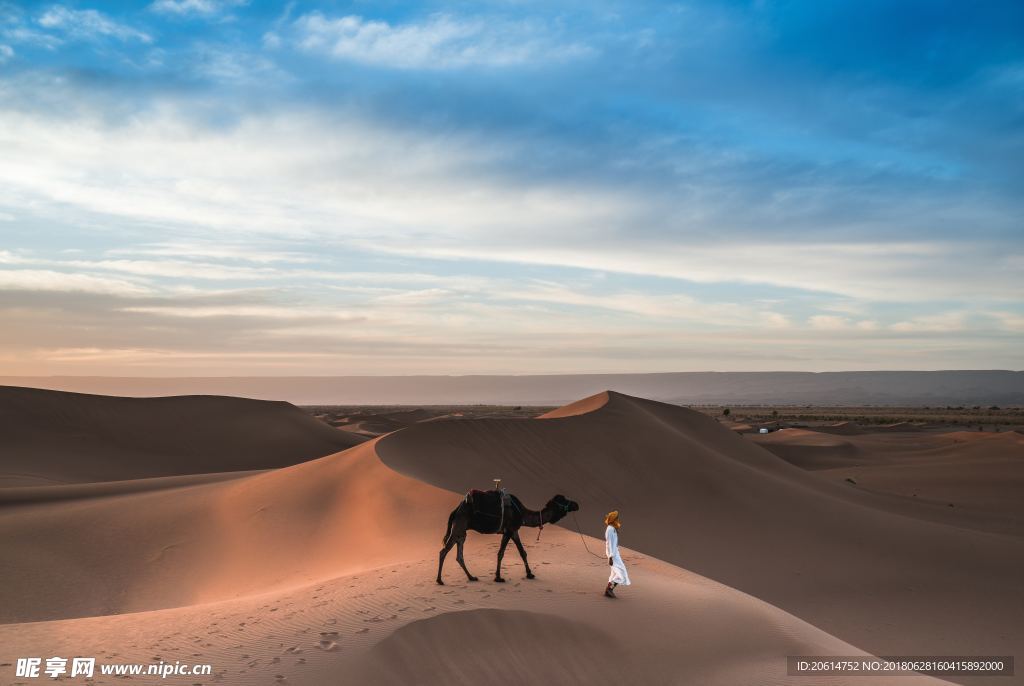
612	519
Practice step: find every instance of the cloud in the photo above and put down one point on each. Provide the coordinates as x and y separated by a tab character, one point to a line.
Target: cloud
165	268
260	311
24	35
6	53
204	8
221	250
935	323
89	25
49	280
439	42
171	269
647	306
234	64
1011	321
828	322
383	189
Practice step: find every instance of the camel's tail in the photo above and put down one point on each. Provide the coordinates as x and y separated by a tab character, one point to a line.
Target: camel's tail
448	531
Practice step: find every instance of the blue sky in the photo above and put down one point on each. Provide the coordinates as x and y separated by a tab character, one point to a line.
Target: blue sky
230	187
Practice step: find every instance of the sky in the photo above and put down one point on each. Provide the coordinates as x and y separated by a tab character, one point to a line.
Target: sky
222	187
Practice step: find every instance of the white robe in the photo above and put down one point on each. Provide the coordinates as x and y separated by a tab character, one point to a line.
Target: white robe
618	575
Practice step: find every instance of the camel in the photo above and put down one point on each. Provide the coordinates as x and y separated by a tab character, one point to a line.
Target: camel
483	511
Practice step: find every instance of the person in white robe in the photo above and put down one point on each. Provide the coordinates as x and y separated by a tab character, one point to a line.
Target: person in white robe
618	574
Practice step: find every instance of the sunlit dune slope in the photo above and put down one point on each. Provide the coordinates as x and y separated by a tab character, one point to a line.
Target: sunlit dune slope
171	547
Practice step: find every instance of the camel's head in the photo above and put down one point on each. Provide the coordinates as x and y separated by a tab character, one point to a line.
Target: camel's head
561	506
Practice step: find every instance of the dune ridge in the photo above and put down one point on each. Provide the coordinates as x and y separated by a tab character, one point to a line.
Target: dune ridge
53	437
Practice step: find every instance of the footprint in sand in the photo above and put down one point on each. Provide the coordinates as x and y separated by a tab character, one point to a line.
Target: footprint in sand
327	646
362	631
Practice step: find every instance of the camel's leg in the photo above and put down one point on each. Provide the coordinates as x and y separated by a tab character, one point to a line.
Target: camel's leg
444	552
456	535
522	554
462	562
501	553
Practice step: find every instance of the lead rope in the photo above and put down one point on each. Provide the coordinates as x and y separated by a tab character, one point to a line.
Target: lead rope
584	540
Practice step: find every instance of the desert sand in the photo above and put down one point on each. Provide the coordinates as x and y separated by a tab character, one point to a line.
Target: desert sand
966	478
322	571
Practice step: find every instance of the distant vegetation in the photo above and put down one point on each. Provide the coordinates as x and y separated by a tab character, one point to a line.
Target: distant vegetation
948	416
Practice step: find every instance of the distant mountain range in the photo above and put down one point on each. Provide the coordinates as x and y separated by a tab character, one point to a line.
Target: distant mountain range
960	387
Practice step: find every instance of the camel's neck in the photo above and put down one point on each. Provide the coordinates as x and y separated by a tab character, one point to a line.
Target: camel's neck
535	518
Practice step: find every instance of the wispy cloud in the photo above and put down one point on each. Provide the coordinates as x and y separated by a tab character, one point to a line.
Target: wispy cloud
439	42
89	25
935	323
234	64
221	250
204	8
49	280
24	35
829	322
250	311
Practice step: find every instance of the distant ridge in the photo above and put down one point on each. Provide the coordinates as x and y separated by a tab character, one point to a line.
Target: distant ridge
957	387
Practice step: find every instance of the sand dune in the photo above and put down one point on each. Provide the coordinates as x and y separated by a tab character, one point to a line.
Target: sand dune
701	496
165	548
322	572
51	437
811	449
980	475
